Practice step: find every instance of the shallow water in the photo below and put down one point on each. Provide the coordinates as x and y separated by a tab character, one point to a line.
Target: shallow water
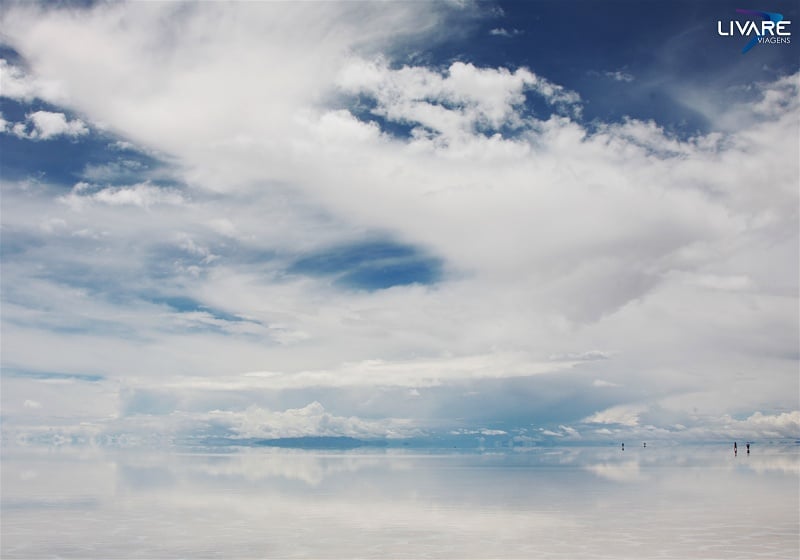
670	502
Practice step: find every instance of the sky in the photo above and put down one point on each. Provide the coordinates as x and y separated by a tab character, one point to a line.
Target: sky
536	221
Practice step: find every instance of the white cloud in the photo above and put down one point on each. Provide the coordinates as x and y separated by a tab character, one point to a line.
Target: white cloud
628	422
142	195
186	243
778	97
311	420
487	432
604	383
112	170
503	32
17	84
620	76
454	103
770	100
625	415
785	424
564	433
413	374
588	356
45	125
718	282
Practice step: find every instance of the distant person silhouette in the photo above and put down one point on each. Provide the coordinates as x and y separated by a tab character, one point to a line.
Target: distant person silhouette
644	444
735	451
623	447
748	448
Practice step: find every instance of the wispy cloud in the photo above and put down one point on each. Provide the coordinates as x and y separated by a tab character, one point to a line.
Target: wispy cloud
142	195
503	32
619	76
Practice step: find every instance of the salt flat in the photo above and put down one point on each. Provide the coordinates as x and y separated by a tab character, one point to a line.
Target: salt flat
598	502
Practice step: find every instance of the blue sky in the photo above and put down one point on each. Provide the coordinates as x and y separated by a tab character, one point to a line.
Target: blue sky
547	221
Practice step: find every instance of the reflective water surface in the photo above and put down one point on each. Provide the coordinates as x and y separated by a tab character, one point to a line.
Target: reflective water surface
670	502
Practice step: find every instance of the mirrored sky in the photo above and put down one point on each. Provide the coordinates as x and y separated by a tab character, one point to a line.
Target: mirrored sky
675	502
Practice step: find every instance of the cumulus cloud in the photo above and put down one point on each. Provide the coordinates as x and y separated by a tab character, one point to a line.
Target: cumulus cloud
453	103
45	125
645	422
624	415
311	420
785	424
